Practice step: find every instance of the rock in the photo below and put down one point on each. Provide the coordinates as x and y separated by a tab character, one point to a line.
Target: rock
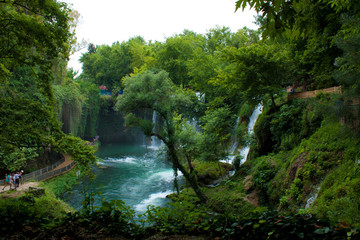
37	191
248	183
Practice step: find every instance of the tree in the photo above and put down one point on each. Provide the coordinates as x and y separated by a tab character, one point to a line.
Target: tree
347	40
156	92
107	65
142	54
33	36
255	70
205	60
173	54
218	37
32	33
216	128
311	26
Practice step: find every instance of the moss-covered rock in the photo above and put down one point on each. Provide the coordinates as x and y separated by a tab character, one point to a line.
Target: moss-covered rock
209	172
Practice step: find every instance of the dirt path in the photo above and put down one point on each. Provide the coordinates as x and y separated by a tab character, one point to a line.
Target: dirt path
20	190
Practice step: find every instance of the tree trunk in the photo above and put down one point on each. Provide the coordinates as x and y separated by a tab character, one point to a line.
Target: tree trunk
273	102
190	178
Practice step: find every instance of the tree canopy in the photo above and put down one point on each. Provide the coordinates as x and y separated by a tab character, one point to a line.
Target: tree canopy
34	35
256	70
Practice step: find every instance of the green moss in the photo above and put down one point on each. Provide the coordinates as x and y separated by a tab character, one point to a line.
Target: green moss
54	207
245	111
328	157
339	197
229	199
208	172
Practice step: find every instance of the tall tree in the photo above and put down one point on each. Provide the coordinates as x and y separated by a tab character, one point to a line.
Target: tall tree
142	54
256	70
311	26
107	65
155	91
173	54
33	35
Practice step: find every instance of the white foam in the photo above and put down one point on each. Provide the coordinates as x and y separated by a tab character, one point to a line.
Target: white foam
153	147
129	160
244	153
153	199
166	176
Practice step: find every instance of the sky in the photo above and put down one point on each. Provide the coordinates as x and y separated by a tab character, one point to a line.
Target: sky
108	21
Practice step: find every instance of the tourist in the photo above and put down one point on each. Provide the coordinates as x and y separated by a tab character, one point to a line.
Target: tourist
7	181
17	179
21	177
12	181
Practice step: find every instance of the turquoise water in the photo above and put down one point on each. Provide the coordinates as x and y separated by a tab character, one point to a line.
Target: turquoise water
138	175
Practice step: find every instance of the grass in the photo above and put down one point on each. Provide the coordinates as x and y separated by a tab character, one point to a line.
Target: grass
62	183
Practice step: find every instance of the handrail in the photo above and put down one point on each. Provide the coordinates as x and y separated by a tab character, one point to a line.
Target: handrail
35	174
311	94
55	173
47	173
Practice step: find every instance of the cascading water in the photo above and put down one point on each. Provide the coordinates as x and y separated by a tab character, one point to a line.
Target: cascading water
250	128
235	144
155	142
312	198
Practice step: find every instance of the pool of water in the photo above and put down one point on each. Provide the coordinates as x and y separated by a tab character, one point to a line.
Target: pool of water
138	175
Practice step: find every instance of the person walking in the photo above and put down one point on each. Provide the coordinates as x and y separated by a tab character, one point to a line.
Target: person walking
17	179
7	181
21	177
12	180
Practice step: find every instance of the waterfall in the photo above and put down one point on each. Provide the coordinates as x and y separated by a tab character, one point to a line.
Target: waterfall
250	128
312	198
252	120
155	143
234	140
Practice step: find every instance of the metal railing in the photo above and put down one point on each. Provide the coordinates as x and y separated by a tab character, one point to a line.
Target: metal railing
46	173
34	175
52	174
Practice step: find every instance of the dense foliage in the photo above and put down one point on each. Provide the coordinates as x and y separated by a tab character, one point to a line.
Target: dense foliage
203	87
35	35
184	219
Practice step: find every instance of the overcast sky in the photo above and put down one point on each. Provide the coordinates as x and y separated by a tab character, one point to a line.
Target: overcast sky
108	21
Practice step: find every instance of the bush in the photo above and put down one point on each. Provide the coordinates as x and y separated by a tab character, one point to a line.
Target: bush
29	213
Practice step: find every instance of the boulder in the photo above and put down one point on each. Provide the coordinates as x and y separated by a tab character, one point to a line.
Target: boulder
37	191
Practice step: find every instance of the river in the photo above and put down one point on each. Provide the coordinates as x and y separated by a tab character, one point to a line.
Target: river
138	175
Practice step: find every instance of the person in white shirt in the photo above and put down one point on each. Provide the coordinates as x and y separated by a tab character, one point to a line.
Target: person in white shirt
16	179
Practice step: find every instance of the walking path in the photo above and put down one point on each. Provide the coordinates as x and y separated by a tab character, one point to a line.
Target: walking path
311	94
67	162
19	191
26	185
